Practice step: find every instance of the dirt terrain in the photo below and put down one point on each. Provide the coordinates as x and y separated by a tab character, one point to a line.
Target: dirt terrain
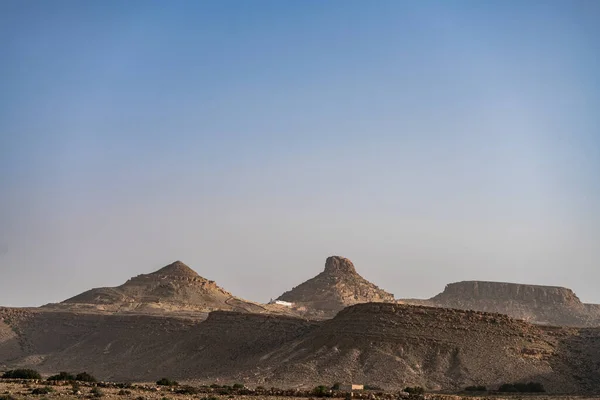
148	391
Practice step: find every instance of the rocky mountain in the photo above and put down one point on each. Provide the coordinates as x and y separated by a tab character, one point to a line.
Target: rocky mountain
338	286
174	288
547	305
390	345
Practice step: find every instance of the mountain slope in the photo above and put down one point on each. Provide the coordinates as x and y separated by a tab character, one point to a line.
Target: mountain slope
338	286
175	287
389	345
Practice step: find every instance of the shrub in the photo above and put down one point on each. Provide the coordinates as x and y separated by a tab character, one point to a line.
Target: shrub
22	374
531	387
187	390
215	386
6	397
238	386
372	387
166	382
124	392
321	391
42	390
61	376
336	386
96	392
209	398
414	390
85	377
476	389
75	388
260	388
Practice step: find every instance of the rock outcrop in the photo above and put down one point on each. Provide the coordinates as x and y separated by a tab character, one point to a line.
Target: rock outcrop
338	286
548	305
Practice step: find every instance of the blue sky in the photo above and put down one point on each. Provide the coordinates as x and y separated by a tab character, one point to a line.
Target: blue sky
428	141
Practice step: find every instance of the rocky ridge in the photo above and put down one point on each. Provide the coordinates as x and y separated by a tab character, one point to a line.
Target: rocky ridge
390	345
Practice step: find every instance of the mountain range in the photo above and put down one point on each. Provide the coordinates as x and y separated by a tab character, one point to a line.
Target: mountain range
334	327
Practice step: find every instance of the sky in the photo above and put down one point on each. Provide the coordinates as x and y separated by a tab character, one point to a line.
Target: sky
428	141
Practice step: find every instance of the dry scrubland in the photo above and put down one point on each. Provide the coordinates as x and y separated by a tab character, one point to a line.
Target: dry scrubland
64	391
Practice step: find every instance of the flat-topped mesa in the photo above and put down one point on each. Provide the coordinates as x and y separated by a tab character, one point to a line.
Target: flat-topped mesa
338	286
539	304
499	291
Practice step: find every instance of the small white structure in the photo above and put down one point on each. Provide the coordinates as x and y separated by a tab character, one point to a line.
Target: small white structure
351	387
283	303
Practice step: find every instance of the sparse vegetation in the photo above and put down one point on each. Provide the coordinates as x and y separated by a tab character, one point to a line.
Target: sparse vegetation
85	377
75	388
187	390
209	398
6	397
167	382
124	392
22	374
42	390
336	386
372	387
414	390
61	376
321	391
531	387
96	392
476	388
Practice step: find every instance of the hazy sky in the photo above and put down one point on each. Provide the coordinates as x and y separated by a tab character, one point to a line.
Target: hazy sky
427	141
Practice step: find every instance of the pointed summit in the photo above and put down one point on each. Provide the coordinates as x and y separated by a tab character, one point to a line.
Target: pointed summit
177	268
175	287
338	286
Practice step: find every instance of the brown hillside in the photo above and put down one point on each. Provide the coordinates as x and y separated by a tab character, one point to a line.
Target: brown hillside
546	305
173	288
385	344
338	286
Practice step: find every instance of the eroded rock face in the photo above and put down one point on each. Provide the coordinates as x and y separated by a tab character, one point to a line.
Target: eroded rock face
548	305
338	286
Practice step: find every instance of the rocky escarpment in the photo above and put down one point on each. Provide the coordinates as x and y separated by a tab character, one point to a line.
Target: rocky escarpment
389	345
538	304
411	345
338	286
143	347
174	288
